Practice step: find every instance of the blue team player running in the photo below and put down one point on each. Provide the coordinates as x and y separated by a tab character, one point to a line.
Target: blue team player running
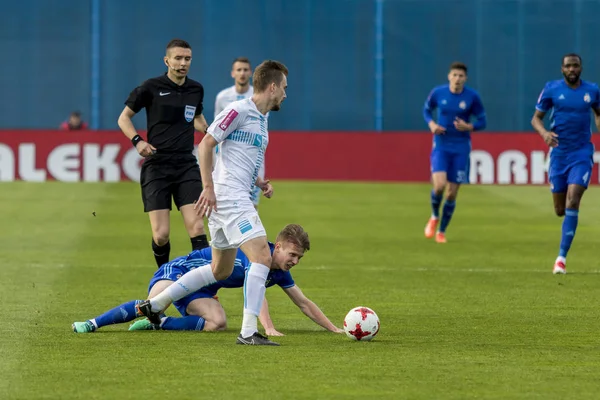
457	104
201	310
571	153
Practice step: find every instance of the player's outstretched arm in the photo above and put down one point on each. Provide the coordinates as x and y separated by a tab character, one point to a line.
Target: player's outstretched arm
310	309
265	320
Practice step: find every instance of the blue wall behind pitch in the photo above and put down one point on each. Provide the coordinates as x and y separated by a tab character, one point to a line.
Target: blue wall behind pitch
511	46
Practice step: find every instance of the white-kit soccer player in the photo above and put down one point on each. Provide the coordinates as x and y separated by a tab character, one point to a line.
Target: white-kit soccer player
241	132
241	71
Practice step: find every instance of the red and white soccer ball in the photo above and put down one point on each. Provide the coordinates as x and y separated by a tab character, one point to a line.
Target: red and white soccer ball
361	323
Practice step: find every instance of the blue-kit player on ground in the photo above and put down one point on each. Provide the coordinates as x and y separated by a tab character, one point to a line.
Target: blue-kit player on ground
201	310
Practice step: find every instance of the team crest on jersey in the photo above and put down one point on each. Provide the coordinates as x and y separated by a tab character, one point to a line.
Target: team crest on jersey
462	105
190	111
587	98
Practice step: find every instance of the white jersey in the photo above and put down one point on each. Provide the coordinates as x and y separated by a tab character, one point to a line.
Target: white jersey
241	131
228	96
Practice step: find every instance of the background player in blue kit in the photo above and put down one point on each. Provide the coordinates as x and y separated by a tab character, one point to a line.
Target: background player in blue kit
201	310
571	153
456	105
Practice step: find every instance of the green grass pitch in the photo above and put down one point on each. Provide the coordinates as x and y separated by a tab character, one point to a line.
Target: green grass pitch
481	317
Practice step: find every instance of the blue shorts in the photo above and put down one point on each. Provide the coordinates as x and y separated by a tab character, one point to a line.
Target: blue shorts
171	273
454	164
570	169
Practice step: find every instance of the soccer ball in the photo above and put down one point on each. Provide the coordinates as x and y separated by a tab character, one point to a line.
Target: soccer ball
361	323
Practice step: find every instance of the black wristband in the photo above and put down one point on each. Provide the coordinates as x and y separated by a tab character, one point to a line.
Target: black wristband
136	139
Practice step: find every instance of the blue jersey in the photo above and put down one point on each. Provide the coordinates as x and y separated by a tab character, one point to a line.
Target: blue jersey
450	106
570	118
197	258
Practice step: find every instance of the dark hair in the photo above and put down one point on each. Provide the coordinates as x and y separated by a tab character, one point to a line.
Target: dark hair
76	114
268	72
458	65
178	43
295	234
242	60
572	55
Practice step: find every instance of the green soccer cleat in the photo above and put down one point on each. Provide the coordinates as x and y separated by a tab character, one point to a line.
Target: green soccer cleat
83	327
143	325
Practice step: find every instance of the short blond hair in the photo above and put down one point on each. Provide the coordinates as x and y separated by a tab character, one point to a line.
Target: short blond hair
266	73
295	234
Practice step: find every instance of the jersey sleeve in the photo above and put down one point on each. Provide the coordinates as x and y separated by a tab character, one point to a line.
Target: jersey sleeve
225	123
596	99
544	103
478	112
429	106
140	97
286	281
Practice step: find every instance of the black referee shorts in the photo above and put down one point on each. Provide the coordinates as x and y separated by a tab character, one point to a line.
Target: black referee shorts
162	182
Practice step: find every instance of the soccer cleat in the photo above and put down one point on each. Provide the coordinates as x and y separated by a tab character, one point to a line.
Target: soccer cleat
559	267
145	309
143	325
440	237
431	227
83	327
255	340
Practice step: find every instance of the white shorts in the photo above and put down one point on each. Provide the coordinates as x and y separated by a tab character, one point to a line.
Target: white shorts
255	195
235	222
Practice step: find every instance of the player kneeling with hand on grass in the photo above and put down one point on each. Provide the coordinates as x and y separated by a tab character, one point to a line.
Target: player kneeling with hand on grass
201	310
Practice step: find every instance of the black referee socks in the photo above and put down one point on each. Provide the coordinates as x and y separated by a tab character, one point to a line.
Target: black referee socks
161	253
199	242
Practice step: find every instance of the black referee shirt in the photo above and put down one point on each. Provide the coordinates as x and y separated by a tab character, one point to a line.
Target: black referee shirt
170	112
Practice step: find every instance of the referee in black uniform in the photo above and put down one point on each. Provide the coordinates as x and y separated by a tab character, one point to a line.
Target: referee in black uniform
173	104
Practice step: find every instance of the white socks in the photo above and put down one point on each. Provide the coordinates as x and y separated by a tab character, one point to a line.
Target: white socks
188	283
254	294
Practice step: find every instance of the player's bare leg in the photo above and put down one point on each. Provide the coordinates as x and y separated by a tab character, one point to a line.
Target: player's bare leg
159	287
560	203
258	252
567	205
194	224
161	226
211	311
439	181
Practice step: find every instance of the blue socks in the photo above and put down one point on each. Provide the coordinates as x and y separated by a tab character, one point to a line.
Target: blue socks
447	212
187	323
126	312
123	313
569	227
436	201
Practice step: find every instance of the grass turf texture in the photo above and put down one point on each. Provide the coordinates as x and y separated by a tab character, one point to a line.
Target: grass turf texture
480	317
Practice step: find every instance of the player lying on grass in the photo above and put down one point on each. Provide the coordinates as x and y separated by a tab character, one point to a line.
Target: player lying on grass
201	310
